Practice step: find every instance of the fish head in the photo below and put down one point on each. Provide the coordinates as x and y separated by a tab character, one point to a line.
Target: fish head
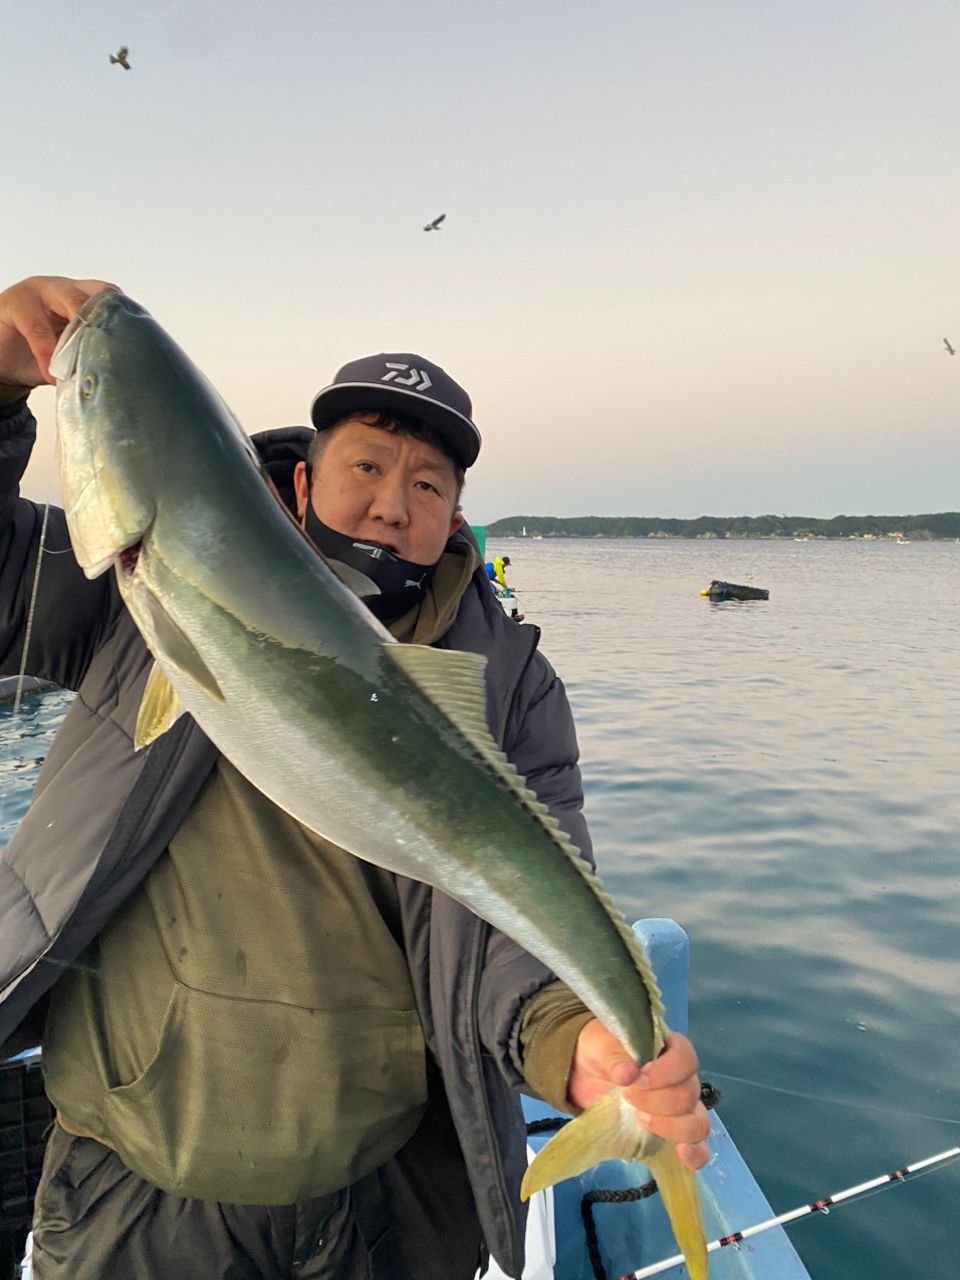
105	460
128	404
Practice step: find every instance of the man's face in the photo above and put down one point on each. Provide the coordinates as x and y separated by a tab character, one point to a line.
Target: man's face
380	486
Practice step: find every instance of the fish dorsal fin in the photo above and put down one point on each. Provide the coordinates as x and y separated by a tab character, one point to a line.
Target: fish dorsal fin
160	708
454	682
178	650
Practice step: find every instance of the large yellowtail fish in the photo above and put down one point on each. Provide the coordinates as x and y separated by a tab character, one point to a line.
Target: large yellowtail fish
380	747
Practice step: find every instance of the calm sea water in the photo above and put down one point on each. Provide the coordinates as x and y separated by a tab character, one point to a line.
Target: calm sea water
782	778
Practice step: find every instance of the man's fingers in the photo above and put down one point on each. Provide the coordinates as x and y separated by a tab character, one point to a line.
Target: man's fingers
674	1100
40	335
40	308
61	304
693	1154
677	1063
620	1070
691	1128
94	286
601	1053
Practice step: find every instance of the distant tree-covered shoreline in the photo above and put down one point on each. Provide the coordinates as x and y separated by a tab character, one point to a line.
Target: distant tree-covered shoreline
913	528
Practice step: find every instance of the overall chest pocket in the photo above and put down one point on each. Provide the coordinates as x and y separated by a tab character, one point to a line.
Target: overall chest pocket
254	1102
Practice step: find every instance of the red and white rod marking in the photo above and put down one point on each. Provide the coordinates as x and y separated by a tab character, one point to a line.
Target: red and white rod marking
822	1206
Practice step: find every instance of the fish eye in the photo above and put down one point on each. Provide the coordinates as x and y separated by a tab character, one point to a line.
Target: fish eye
88	386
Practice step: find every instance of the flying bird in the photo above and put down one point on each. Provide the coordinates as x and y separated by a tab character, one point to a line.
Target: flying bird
120	57
435	224
949	348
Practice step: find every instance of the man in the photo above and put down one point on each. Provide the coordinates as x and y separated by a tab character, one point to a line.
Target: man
495	570
270	1059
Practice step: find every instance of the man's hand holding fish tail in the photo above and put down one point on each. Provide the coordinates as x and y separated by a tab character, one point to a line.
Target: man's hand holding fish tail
665	1093
650	1113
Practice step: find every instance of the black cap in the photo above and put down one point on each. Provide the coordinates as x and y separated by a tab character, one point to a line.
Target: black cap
402	383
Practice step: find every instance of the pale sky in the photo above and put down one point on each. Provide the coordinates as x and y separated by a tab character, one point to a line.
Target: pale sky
699	257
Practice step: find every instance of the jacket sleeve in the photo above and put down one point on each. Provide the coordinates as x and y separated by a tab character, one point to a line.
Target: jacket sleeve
69	613
542	744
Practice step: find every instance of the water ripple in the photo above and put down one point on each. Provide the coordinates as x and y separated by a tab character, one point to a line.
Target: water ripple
783	778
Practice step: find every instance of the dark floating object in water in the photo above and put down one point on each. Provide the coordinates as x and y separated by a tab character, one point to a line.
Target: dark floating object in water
731	591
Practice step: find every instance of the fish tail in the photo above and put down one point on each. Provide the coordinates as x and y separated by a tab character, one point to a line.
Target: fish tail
608	1130
678	1189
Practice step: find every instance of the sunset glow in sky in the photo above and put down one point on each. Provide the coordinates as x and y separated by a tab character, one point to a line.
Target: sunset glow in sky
698	258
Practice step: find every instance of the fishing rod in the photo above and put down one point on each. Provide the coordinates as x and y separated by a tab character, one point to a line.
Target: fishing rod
818	1206
28	632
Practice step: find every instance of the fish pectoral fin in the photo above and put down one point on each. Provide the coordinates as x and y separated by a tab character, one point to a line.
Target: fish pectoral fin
160	708
607	1130
358	582
678	1190
178	650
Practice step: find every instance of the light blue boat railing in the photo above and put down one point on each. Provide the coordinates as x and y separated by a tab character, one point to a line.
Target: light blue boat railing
636	1235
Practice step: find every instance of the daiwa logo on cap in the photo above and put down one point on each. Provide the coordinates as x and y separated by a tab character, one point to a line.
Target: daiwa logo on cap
415	376
401	382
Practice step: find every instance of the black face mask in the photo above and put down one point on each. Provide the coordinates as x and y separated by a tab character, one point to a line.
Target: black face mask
387	585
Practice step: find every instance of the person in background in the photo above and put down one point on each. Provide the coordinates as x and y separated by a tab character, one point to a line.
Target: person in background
495	571
269	1059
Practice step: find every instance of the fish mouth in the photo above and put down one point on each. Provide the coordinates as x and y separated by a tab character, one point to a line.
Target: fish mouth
128	559
125	556
125	562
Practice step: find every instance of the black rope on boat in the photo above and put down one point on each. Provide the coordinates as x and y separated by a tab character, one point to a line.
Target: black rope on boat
600	1196
548	1124
709	1095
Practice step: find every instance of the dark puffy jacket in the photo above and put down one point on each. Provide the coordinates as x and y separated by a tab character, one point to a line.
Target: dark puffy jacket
102	814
